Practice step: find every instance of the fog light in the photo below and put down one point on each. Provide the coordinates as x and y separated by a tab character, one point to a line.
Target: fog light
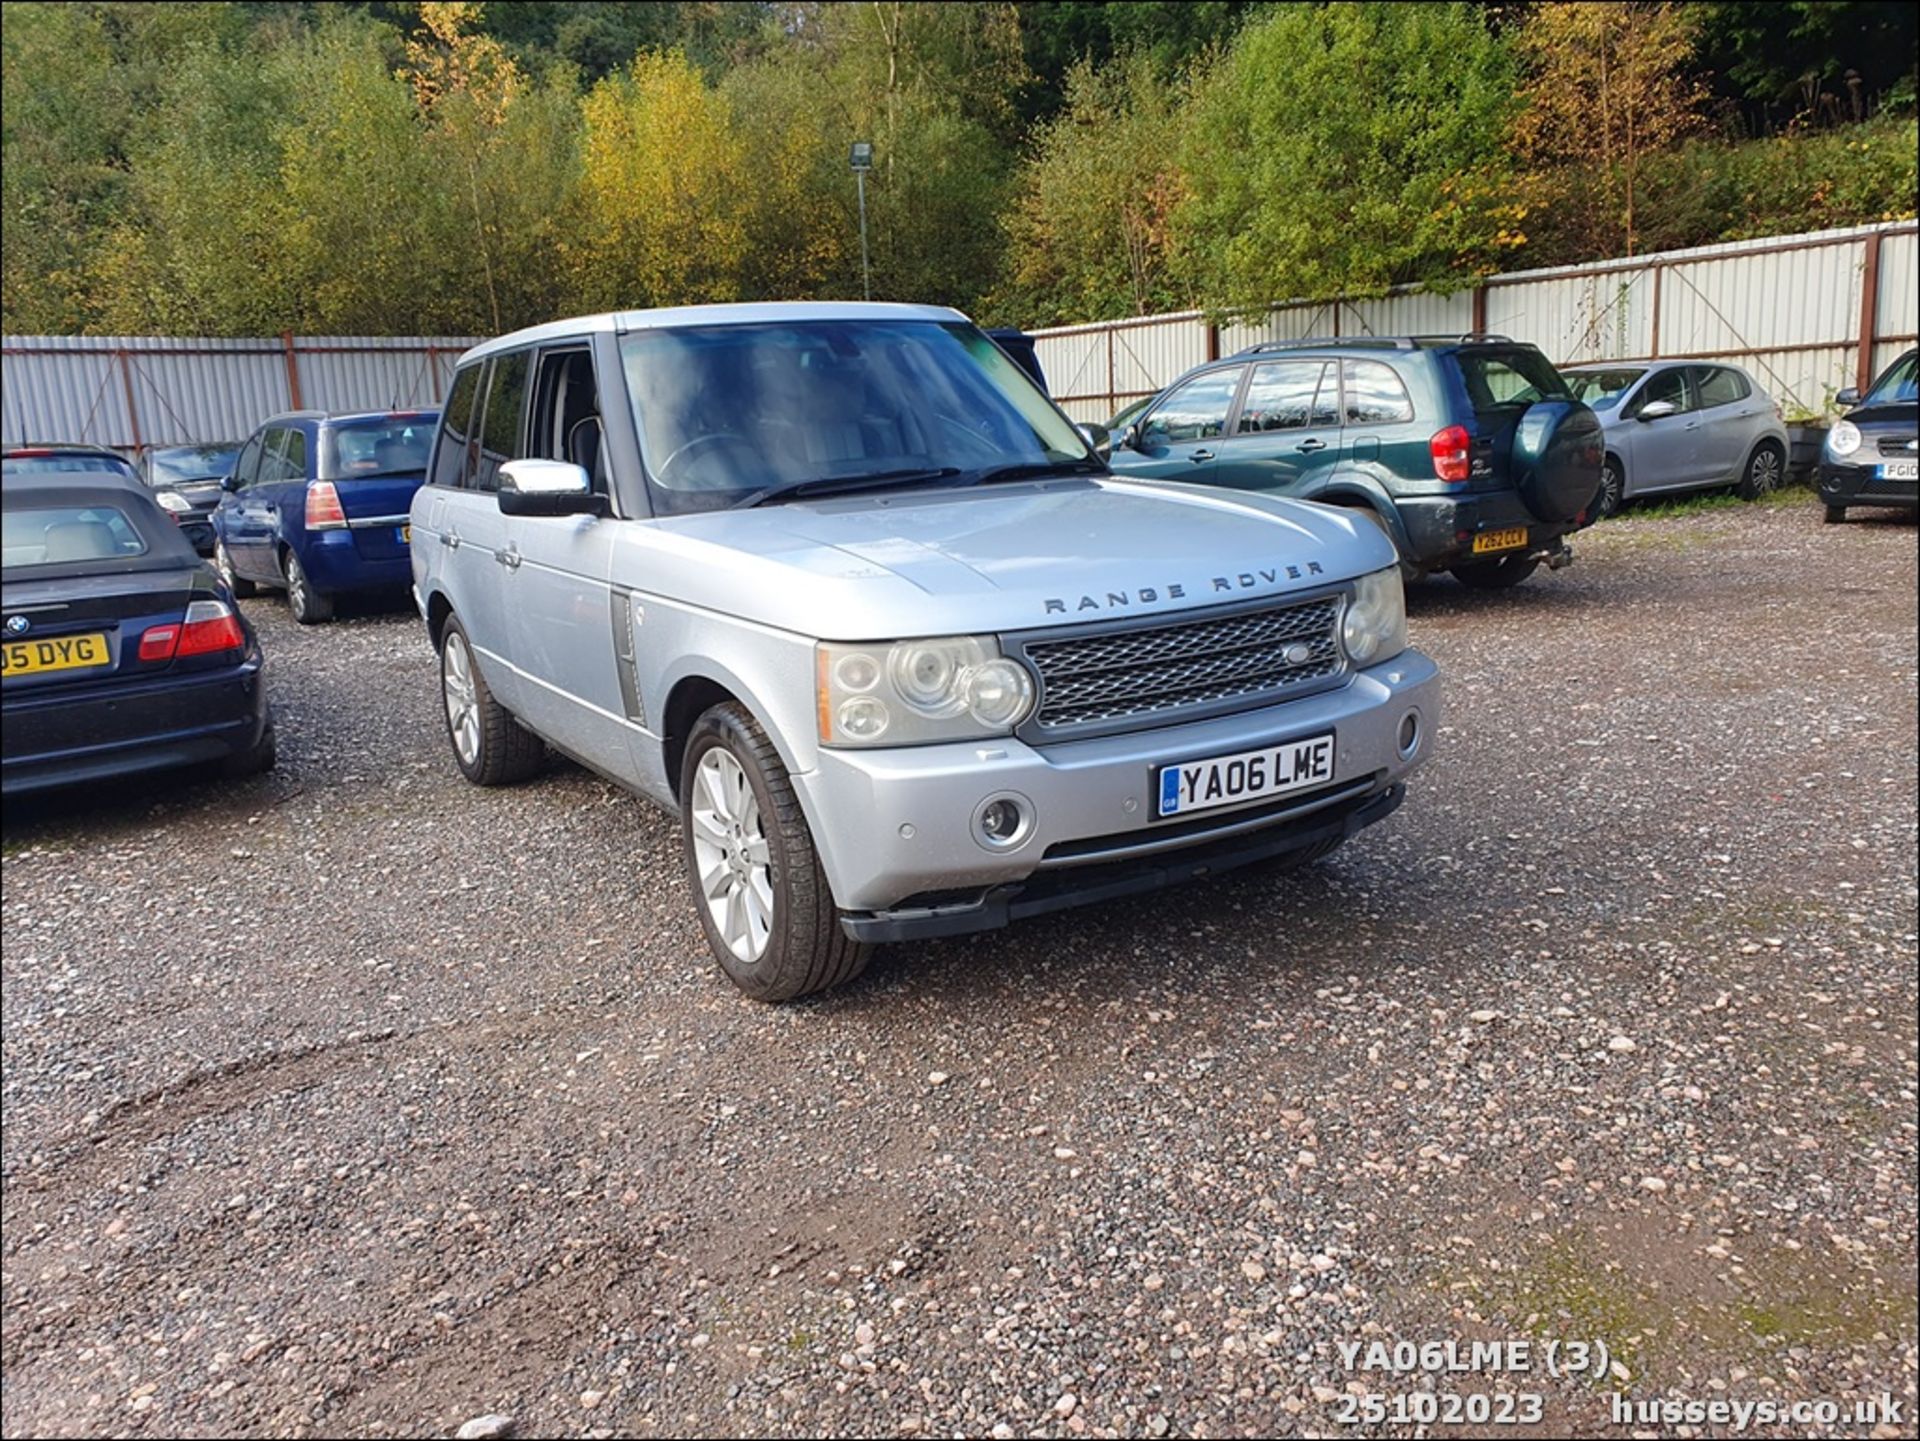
1003	822
1409	734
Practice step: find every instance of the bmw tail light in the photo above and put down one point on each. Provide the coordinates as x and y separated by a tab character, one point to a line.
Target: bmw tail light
211	627
1452	450
324	511
158	642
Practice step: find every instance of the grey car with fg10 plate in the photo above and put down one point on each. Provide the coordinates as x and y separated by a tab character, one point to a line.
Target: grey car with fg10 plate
839	586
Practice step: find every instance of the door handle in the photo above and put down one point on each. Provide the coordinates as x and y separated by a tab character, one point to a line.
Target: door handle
449	540
1200	455
509	557
1311	445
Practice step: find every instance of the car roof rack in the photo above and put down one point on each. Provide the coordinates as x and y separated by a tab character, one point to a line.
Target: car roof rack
1482	337
1320	342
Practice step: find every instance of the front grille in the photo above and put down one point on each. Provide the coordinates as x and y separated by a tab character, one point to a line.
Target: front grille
1880	485
1899	447
1116	679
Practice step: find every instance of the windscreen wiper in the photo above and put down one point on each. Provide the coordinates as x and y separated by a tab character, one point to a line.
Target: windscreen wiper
845	484
1035	470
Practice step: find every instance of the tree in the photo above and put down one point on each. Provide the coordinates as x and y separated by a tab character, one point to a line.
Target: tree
1346	149
1800	57
1607	86
1090	230
662	189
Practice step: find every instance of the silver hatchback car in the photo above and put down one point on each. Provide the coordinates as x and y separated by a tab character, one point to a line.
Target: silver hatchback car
1681	425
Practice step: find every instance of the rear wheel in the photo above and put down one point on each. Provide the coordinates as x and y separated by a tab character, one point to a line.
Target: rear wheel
308	605
489	745
1501	574
1836	514
222	562
256	759
1765	469
758	888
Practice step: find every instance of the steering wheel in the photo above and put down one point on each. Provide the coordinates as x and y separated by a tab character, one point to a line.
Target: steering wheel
712	437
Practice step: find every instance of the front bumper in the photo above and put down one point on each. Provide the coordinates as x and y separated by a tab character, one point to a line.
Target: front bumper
1863	485
104	732
1441	528
895	828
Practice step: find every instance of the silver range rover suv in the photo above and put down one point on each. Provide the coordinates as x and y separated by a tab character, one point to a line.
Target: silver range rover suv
841	588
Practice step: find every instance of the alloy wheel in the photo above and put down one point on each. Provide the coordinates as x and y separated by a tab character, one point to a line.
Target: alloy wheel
463	704
731	855
1763	473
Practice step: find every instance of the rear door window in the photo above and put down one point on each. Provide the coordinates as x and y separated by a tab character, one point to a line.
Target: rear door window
1375	394
450	460
1288	395
1197	410
1719	385
294	455
500	423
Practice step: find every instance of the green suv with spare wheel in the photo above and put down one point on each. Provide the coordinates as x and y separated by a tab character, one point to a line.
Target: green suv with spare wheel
1469	451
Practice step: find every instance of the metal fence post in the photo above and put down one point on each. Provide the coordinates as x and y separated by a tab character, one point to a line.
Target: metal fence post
133	412
293	371
1869	312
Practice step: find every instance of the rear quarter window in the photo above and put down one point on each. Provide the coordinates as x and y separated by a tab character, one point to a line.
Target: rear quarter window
64	534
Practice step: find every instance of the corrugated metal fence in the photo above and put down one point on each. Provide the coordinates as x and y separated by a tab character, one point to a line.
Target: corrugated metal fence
1806	315
129	391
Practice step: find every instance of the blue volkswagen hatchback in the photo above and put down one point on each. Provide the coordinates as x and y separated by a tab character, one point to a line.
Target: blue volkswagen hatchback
316	505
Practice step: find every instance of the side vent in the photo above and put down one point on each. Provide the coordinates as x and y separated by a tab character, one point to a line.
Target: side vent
625	618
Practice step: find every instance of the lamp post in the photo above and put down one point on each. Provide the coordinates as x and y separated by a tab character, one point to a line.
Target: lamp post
861	161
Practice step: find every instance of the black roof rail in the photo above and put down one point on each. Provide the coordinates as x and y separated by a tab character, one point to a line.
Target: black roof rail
1320	342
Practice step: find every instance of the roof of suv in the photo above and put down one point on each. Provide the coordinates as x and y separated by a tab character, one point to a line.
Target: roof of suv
1381	342
621	321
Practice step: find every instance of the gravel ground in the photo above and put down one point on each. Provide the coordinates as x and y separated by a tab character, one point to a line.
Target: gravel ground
354	1100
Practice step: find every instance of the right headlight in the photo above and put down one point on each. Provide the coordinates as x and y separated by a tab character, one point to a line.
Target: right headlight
913	692
1374	627
1844	438
173	502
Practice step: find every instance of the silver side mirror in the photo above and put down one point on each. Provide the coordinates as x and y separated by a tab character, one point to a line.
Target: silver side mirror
1656	410
547	487
1098	438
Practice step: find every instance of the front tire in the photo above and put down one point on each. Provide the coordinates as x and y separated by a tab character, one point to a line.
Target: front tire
489	745
1613	490
758	888
1836	515
1496	574
1766	467
242	588
309	606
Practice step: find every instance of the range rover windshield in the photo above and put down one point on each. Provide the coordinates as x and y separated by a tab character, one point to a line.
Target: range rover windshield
734	415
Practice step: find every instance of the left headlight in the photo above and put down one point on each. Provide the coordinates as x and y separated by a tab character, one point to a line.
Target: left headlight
913	692
1375	625
173	502
1844	438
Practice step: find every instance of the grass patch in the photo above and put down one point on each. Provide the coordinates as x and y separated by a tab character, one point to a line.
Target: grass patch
1719	498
